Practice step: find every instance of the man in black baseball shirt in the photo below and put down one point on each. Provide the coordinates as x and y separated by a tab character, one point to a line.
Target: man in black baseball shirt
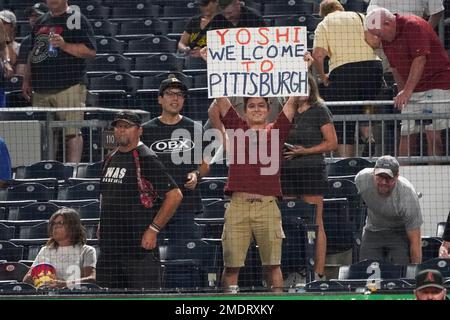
138	198
178	142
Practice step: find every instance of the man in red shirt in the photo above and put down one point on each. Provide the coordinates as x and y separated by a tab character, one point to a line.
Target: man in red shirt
254	186
421	68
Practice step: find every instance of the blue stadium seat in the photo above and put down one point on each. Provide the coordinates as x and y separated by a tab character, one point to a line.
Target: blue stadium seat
134	11
300	229
10	252
109	45
212	188
104	28
338	227
36	211
16	288
200	80
93	10
348	166
29	191
45	169
90	211
12	271
51	183
115	90
37	231
430	247
187	264
193	63
140	28
288	8
296	20
162	62
211	219
6	232
76	204
443	265
108	64
174	12
373	269
152	44
178	26
81	191
91	170
351	221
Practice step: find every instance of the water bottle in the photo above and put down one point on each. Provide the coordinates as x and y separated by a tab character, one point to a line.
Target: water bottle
52	51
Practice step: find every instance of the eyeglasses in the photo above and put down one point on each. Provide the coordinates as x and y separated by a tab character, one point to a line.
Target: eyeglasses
57	223
173	94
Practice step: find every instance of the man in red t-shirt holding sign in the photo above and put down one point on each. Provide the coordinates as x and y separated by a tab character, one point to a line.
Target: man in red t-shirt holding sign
254	184
421	68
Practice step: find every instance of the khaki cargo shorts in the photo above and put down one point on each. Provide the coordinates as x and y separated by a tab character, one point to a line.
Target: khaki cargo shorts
246	220
73	97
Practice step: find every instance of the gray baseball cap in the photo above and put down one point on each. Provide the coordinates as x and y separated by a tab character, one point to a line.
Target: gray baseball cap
8	16
388	165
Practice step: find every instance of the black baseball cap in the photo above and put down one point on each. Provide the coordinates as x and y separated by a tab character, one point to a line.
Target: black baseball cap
202	2
127	116
429	278
172	82
40	8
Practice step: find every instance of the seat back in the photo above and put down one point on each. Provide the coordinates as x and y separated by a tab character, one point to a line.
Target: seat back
45	169
6	232
37	231
430	247
443	265
212	188
37	211
10	252
81	191
375	269
30	191
348	166
12	271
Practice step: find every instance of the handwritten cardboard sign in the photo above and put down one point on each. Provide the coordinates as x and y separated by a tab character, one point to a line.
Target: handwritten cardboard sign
257	62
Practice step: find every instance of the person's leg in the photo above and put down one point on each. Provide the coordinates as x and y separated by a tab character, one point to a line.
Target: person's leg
109	272
73	97
230	277
74	148
268	233
274	278
371	245
321	238
398	249
408	145
236	237
434	143
143	272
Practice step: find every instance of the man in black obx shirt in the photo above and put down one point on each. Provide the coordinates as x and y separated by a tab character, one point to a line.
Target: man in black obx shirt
177	141
61	41
133	181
